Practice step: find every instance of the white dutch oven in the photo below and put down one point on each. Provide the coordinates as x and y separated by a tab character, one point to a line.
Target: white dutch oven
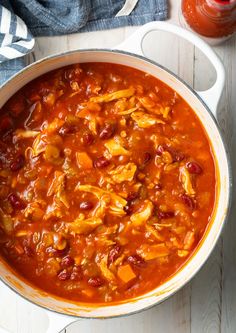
203	103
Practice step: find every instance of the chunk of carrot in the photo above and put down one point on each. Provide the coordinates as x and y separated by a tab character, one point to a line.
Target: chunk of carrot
84	161
125	273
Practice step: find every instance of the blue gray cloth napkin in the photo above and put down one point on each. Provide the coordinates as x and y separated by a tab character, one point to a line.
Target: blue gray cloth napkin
21	20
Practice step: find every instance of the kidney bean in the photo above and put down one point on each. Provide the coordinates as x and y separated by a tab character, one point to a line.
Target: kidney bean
101	162
58	253
3	148
114	254
18	163
87	139
17	105
165	215
6	124
178	156
128	209
136	260
95	282
132	196
16	202
194	167
67	261
146	157
28	251
67	129
188	201
107	131
63	275
86	205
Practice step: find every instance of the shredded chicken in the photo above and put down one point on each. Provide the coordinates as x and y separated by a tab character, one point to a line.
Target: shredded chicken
156	234
105	270
91	118
126	112
149	252
74	86
101	207
6	222
147	103
88	109
145	120
34	212
57	187
115	148
55	125
38	147
152	107
182	253
104	241
93	125
165	112
142	216
53	210
90	115
117	203
105	230
84	226
113	96
185	179
123	173
22	134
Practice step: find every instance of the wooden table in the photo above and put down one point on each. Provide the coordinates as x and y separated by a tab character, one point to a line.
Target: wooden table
208	302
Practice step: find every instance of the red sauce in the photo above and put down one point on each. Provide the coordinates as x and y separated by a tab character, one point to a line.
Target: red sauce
107	182
210	18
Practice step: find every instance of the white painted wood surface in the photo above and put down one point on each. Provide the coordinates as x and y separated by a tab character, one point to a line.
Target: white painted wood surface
208	302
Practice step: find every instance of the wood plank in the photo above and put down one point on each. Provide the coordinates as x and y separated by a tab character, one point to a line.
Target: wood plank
166	317
98	39
206	286
203	65
172	52
30	318
46	46
228	122
8	309
206	293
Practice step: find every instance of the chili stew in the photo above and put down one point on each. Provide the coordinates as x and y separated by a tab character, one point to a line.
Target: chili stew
107	182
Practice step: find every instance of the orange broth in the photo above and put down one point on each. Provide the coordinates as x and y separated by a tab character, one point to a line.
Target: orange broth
107	182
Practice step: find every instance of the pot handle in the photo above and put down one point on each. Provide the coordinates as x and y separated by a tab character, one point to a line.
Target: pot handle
134	44
57	322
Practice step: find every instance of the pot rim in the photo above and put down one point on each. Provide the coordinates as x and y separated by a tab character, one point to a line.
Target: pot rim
229	173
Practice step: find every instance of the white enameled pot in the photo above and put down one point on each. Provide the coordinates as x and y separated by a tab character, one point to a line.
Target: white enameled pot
203	103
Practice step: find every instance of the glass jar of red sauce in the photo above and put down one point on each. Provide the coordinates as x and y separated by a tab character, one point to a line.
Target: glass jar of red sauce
215	19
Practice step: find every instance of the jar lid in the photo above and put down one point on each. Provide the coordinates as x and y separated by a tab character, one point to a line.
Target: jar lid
223	4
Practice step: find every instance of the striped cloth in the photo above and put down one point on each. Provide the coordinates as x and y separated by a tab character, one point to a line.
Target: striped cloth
15	39
15	42
20	20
